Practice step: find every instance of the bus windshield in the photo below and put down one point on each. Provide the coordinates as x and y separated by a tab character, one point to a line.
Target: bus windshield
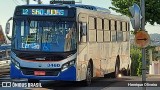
44	36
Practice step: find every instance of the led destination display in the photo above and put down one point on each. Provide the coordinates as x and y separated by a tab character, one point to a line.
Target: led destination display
45	12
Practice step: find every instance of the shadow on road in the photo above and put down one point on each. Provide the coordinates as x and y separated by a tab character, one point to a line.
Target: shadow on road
97	84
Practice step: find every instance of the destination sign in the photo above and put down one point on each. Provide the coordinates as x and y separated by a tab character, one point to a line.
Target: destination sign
45	12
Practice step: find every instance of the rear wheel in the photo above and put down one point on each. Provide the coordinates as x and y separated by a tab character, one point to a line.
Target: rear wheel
33	81
128	71
117	67
116	71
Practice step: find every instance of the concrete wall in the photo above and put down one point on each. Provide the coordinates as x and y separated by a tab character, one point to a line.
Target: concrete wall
155	68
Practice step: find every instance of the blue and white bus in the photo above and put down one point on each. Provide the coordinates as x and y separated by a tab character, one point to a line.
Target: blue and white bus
68	42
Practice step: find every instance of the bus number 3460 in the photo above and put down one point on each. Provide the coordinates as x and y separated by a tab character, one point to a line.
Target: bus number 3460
53	65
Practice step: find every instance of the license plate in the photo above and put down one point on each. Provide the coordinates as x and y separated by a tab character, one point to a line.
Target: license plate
39	73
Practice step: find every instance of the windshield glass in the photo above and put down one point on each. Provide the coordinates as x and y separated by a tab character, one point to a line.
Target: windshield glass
44	36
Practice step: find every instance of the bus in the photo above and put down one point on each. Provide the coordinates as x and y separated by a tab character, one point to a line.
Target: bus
68	42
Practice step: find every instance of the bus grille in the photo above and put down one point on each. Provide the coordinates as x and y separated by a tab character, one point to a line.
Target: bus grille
45	56
49	72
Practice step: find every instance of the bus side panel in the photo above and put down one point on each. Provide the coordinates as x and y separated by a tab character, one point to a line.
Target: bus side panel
107	56
82	62
115	53
125	57
94	54
103	58
82	57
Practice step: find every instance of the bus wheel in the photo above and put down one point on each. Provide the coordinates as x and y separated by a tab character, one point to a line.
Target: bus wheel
33	81
89	73
128	71
116	71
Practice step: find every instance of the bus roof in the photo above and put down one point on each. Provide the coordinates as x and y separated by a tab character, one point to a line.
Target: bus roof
90	7
81	6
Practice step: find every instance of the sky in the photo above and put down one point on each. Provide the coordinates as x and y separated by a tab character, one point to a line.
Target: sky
7	8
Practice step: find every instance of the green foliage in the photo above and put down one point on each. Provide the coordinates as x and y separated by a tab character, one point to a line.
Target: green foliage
152	8
136	57
139	69
155	54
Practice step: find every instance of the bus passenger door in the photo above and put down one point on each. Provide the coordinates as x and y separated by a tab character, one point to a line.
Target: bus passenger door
82	38
82	49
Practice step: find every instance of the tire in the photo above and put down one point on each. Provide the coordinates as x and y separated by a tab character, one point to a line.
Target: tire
89	75
128	71
116	71
33	81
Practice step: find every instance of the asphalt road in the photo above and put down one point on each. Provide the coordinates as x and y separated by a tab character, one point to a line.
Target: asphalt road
97	84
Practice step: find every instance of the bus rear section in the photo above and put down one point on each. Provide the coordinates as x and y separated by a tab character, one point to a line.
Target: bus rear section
44	43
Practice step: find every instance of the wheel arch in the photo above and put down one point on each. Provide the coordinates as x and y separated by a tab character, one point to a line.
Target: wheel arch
118	61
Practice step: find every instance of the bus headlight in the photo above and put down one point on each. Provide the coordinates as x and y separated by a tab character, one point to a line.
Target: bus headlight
17	65
72	62
67	65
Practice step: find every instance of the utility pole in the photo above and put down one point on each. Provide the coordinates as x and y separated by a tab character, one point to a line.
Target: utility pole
143	49
150	61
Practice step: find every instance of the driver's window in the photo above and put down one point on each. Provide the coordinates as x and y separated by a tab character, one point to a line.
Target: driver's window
22	28
82	32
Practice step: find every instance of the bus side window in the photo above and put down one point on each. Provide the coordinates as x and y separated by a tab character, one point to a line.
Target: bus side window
82	32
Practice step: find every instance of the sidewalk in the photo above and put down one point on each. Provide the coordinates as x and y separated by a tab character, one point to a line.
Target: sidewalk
153	75
124	84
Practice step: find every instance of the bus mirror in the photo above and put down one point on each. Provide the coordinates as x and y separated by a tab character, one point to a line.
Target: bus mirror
7	29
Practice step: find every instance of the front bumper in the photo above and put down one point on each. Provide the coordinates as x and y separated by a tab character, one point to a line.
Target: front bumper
67	75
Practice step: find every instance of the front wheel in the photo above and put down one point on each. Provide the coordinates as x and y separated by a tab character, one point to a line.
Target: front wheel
89	74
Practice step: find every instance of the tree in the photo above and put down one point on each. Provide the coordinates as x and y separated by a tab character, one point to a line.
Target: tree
136	58
152	8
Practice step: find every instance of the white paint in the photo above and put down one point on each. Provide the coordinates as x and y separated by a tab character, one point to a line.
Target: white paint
154	68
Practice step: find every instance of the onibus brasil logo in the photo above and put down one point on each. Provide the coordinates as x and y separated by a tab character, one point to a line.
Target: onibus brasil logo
19	84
